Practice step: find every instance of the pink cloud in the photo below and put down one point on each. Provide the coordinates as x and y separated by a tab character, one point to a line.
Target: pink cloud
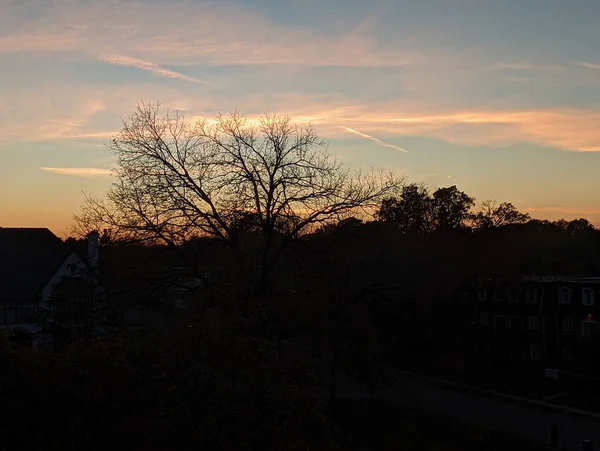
182	32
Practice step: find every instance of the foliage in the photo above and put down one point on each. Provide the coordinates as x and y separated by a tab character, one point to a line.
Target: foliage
418	211
203	386
491	214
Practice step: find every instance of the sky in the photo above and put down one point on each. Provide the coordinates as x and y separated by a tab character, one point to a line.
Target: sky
501	98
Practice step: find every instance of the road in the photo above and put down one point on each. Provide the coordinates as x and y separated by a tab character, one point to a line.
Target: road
480	410
477	409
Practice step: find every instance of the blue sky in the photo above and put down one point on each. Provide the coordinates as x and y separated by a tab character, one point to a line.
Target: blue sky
501	98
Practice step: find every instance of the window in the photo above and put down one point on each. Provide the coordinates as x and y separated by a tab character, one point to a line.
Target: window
481	294
565	295
535	352
567	324
587	296
586	328
497	295
21	313
484	319
2	317
532	295
533	323
75	305
11	313
73	269
513	294
32	313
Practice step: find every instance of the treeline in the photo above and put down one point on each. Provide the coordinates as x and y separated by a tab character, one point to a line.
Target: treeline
417	210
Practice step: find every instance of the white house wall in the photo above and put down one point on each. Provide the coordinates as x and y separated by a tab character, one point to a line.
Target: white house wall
63	270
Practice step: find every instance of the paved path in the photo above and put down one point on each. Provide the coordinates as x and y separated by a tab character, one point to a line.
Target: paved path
517	419
477	409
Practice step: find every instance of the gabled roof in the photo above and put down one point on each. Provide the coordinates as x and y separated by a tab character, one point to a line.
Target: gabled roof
29	257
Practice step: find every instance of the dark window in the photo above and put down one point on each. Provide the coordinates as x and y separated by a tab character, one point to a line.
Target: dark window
513	294
587	296
533	323
32	313
565	295
535	352
22	313
11	313
532	295
482	294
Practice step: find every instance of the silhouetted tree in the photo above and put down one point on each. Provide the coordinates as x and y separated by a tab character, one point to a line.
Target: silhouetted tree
579	226
451	208
412	211
417	211
177	179
491	214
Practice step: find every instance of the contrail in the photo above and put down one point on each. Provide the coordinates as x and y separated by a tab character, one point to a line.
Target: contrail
121	60
372	138
79	172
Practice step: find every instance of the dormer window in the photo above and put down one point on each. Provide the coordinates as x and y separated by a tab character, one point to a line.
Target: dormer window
513	294
565	295
481	294
73	269
587	296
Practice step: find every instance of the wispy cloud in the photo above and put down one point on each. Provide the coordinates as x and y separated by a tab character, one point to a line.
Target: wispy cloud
525	66
565	210
372	138
156	69
589	65
79	172
184	32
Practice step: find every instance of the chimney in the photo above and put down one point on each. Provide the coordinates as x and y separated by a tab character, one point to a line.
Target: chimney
93	250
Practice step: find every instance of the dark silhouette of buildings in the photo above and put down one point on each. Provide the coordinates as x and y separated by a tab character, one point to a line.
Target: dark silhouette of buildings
549	322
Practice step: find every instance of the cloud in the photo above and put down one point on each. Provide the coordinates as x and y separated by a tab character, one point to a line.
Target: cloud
565	210
185	32
568	129
372	138
156	69
589	65
79	172
58	111
525	66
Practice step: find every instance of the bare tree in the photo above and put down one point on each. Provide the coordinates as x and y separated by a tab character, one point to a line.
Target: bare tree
177	179
491	214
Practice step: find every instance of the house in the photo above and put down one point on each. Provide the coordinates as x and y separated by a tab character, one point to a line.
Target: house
41	277
548	322
148	286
